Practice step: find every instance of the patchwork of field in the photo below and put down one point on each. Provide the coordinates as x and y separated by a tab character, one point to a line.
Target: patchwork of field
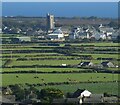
44	65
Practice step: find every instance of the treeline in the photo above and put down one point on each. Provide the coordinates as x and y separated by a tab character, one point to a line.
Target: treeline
65	58
34	71
85	70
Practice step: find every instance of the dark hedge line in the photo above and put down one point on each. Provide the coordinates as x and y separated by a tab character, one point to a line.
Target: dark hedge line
41	66
33	71
66	83
77	58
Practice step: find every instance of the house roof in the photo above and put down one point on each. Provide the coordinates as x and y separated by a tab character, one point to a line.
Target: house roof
61	100
84	63
111	99
66	100
7	101
77	93
86	93
72	100
105	63
94	98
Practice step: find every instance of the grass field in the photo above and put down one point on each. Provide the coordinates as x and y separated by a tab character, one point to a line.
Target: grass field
97	44
44	62
80	80
96	88
41	69
82	77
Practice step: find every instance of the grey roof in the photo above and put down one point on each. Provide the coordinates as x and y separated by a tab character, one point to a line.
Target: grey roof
77	93
84	63
73	100
61	100
94	98
110	99
66	100
106	63
7	101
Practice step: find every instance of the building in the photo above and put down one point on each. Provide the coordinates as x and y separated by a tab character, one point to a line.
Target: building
8	100
80	33
107	64
85	64
50	22
94	98
56	35
67	101
81	93
75	33
24	39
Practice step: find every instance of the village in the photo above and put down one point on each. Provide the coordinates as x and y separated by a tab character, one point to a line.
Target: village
55	30
44	54
35	97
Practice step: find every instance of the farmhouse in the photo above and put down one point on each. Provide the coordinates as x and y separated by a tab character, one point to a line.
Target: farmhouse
107	64
85	64
81	93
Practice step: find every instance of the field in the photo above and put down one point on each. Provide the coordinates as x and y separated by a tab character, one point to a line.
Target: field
96	88
73	77
41	65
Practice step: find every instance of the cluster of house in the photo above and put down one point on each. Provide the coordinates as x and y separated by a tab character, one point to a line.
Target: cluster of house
102	32
83	96
101	65
79	97
90	32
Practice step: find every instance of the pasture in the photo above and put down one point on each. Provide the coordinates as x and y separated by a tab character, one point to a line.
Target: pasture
62	77
15	58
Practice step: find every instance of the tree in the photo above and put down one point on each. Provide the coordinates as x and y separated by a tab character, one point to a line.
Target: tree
18	91
51	93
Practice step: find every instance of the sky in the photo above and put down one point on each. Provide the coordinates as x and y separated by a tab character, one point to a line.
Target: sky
60	0
61	9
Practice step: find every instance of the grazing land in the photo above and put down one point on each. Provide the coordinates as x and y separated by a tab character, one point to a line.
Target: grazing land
57	66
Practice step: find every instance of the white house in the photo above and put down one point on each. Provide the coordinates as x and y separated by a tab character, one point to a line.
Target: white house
56	35
80	93
85	93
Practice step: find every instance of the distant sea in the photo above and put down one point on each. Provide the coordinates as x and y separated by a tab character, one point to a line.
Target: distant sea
61	9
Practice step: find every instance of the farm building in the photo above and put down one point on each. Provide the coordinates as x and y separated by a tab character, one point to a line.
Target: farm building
75	101
81	93
111	99
107	64
24	39
8	100
85	64
94	98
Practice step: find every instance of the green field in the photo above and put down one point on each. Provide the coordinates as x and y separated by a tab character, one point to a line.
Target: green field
82	77
44	62
41	69
76	80
97	44
96	88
